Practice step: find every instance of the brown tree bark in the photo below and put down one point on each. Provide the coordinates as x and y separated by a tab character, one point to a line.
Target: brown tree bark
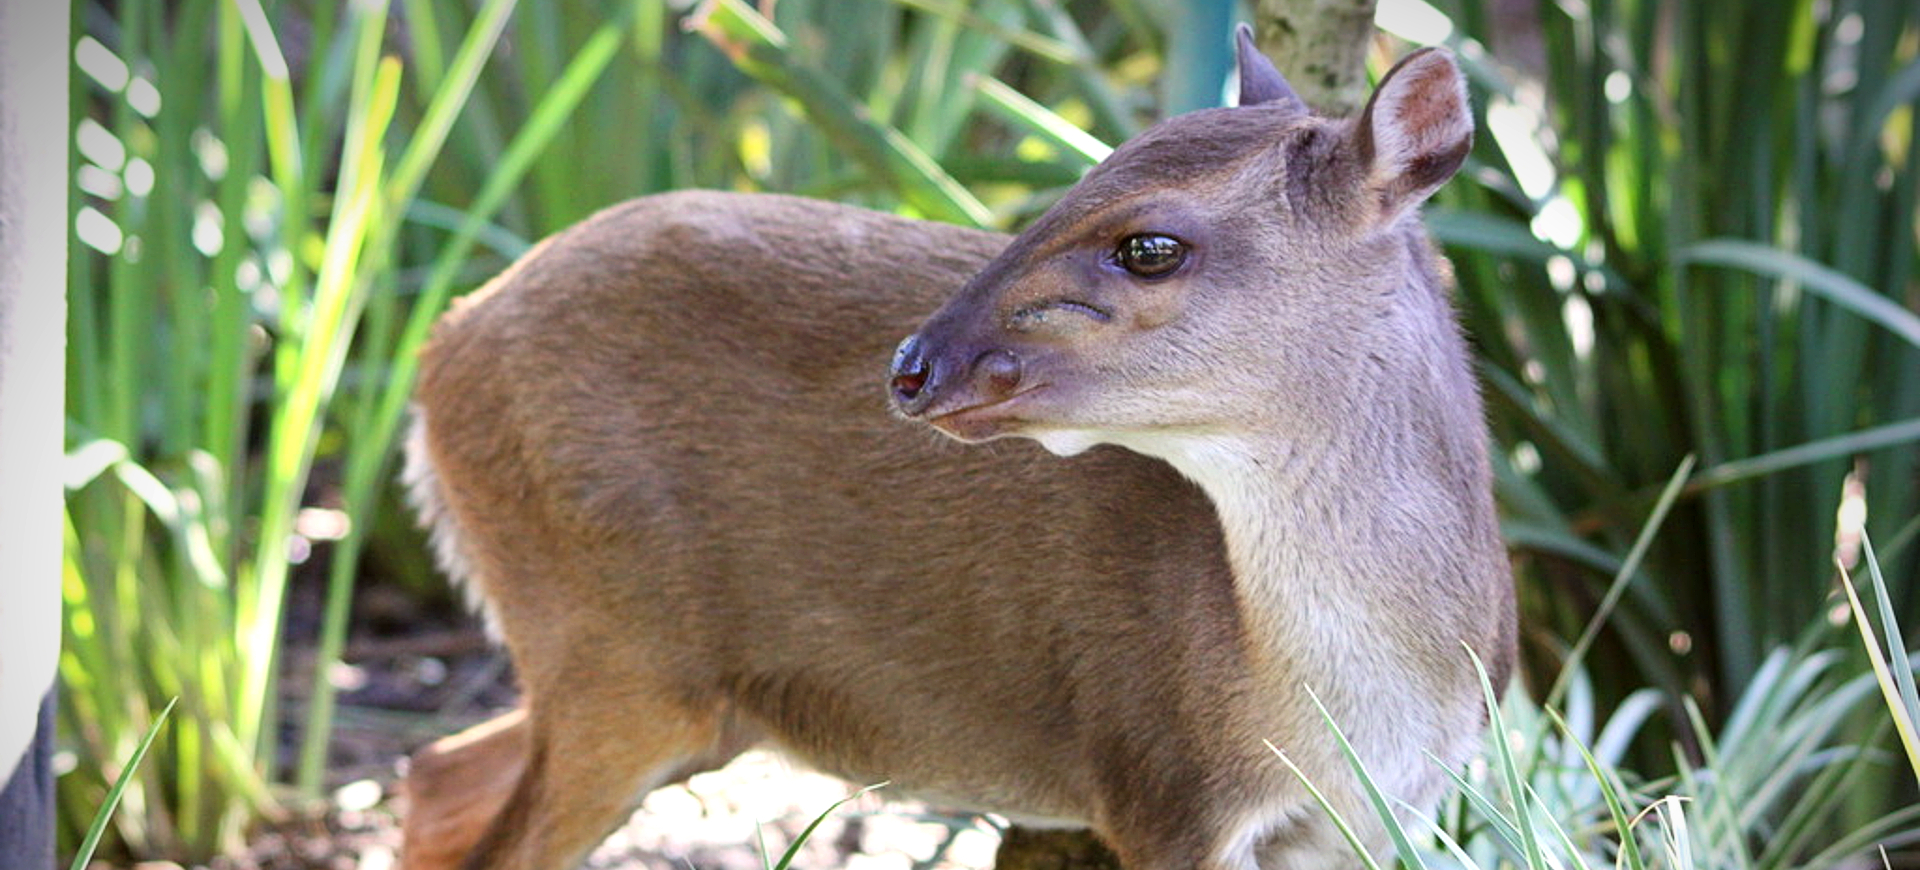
1321	47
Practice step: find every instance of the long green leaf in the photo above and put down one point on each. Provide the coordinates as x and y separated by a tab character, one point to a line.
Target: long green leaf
1340	823
793	849
1630	856
1016	107
1409	857
1900	660
1737	470
1033	43
84	854
1896	687
1508	769
1827	282
1628	568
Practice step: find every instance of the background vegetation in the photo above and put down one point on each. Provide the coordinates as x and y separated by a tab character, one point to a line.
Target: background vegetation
1687	230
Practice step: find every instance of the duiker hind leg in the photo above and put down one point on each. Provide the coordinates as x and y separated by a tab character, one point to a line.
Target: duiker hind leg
456	786
586	753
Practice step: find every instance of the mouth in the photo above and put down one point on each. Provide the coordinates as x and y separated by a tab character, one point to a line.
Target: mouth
982	421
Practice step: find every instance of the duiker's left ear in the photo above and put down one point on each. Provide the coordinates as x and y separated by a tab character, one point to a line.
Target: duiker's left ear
1416	130
1260	82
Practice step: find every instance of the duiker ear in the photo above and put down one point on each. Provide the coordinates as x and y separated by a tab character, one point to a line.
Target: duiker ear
1260	82
1416	130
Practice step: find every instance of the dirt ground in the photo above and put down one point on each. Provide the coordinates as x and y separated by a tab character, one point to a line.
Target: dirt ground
419	670
713	822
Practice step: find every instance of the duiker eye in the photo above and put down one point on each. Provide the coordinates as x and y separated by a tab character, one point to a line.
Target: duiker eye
1151	255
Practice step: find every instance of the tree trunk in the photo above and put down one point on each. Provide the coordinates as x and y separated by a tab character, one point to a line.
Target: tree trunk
1321	47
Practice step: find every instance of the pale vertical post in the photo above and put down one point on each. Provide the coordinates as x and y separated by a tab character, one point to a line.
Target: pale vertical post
33	308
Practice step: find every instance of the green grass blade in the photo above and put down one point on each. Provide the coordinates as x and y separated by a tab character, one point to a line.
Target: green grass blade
1409	857
1718	801
285	159
1674	833
1630	857
1900	660
1340	822
83	855
340	292
456	88
504	242
1509	768
793	849
766	854
1044	47
547	117
760	50
1549	432
1802	455
1490	233
1628	568
1897	828
1505	829
365	466
1109	108
1578	859
1901	89
1895	688
423	148
1016	107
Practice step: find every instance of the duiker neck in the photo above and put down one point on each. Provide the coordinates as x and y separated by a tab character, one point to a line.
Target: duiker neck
1328	531
1282	504
1325	546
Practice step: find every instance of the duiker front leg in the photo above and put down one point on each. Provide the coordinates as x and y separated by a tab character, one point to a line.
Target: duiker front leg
1313	843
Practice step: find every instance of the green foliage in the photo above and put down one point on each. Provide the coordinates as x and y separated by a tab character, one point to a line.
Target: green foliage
1557	791
212	331
1690	230
280	197
1766	789
1561	790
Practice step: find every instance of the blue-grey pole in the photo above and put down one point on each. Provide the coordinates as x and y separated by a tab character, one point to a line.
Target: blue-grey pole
1199	53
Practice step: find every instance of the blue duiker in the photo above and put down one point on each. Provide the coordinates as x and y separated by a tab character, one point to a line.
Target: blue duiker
659	451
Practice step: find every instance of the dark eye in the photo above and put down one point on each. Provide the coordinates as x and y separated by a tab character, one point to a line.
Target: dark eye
1151	255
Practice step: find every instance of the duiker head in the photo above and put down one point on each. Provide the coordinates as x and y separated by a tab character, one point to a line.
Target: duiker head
1229	271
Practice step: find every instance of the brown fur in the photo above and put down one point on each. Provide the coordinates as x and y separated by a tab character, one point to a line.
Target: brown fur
658	446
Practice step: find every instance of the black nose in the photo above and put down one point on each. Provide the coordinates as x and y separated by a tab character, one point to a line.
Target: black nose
911	372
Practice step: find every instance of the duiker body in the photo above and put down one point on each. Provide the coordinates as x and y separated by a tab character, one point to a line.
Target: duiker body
658	449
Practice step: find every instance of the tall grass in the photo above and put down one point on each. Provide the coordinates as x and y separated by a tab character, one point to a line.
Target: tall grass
1776	784
1557	787
280	197
243	245
1692	232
